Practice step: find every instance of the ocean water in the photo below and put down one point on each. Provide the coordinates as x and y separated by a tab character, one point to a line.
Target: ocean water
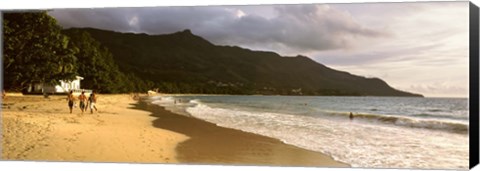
386	132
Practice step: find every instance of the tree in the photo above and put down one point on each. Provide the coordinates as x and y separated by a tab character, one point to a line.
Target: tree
35	50
97	66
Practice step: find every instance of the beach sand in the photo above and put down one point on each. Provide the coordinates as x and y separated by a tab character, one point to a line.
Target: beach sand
124	130
35	128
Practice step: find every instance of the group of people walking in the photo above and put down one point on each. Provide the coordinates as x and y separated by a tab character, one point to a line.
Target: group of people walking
85	102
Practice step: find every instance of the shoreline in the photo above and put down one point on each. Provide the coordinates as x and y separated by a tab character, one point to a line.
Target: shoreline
212	144
195	94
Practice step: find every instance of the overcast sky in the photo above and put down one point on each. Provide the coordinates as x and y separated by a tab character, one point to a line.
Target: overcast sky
415	47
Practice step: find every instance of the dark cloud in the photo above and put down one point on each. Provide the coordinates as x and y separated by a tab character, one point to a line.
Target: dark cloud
294	28
102	18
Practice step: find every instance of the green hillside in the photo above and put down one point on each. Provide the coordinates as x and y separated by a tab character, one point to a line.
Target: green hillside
185	63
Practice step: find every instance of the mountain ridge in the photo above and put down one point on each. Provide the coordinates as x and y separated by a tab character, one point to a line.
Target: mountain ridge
182	62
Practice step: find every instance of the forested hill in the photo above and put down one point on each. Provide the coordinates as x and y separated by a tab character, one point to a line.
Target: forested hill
185	63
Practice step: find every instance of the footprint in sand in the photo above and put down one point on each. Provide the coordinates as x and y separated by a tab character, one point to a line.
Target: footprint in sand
69	139
100	122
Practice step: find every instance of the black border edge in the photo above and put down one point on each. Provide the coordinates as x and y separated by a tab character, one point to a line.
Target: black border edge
474	84
1	68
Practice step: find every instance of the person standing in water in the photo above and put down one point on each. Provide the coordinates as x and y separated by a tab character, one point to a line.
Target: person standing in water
70	99
351	116
92	100
83	100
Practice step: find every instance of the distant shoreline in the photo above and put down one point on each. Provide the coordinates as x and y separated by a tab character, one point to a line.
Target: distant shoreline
194	94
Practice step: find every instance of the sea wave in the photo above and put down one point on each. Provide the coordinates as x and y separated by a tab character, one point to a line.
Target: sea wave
434	124
171	104
430	121
404	121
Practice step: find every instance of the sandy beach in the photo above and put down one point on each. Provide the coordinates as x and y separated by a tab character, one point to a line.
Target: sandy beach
125	130
35	128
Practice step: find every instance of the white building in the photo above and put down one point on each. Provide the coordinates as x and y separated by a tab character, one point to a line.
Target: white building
66	86
63	87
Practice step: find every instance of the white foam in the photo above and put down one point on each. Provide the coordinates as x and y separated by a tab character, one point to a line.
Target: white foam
170	103
356	143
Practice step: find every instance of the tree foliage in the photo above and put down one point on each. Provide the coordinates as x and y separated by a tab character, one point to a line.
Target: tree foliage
35	50
96	65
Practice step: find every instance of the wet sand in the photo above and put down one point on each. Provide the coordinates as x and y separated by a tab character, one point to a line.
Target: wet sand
211	144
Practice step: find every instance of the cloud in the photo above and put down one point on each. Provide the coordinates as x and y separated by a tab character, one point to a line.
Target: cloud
437	89
292	28
103	18
427	47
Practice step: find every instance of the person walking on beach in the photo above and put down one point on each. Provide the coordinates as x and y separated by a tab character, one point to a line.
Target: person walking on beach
70	99
92	100
83	100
